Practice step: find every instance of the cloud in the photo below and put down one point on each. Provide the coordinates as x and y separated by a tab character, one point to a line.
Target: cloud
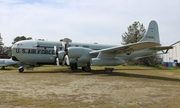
90	21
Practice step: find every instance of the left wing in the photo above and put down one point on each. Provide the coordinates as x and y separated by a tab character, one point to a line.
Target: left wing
2	64
126	48
7	62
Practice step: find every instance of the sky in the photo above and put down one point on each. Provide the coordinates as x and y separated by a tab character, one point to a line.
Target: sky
87	21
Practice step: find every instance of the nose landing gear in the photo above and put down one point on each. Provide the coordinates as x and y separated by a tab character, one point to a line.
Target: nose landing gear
21	69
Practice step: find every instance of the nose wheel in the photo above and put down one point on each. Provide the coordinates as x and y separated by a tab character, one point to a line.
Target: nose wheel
3	68
21	69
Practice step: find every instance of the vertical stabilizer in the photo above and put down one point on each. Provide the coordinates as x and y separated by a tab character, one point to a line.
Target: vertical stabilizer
152	34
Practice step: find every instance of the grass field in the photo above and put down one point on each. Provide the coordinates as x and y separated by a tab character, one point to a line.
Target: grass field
55	87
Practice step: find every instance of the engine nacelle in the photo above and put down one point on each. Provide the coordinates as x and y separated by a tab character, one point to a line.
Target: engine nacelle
72	53
77	53
106	62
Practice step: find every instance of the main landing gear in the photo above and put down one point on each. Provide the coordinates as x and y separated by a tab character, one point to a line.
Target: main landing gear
85	68
74	67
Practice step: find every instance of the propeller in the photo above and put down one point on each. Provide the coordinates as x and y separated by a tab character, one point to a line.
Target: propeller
63	54
56	59
65	57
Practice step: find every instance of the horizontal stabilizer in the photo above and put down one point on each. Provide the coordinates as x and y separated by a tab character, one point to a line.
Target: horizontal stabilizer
162	48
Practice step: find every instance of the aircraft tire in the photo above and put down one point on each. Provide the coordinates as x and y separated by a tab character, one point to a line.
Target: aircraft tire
3	68
21	70
83	68
74	67
87	69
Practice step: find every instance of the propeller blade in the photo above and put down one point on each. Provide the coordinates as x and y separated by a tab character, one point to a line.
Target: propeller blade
55	49
64	60
67	60
63	46
67	44
56	57
57	61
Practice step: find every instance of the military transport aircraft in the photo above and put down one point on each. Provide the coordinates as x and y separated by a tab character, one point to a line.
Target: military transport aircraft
66	52
7	62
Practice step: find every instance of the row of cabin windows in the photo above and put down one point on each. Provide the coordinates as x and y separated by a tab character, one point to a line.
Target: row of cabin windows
61	46
78	46
85	46
70	46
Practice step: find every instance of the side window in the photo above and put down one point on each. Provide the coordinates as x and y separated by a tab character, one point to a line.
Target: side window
85	46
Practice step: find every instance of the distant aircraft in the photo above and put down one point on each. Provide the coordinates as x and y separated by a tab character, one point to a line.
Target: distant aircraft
7	62
37	52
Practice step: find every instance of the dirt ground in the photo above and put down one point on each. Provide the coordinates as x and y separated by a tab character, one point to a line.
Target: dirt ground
54	87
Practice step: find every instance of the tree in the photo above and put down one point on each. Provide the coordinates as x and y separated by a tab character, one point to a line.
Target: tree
149	61
4	50
136	31
19	38
1	44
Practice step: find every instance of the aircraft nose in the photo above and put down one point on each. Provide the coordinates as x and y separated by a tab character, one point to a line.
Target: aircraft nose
14	46
13	50
19	47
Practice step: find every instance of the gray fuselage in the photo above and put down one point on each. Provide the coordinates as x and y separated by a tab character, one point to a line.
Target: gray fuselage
34	52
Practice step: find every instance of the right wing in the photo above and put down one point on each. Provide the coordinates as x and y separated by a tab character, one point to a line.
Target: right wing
126	48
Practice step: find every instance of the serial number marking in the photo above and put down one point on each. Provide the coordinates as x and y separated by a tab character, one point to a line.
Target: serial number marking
151	37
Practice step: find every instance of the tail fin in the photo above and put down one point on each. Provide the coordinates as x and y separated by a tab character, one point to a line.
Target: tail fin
152	34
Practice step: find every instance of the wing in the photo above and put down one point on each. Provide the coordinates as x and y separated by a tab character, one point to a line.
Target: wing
126	48
7	62
2	64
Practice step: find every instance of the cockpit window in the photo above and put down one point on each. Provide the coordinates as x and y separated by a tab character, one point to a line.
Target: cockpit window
19	44
15	45
26	44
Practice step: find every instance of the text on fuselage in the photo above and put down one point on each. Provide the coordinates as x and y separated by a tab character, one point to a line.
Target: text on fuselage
35	51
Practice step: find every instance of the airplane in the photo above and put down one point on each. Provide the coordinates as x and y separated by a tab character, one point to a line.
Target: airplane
7	62
85	55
